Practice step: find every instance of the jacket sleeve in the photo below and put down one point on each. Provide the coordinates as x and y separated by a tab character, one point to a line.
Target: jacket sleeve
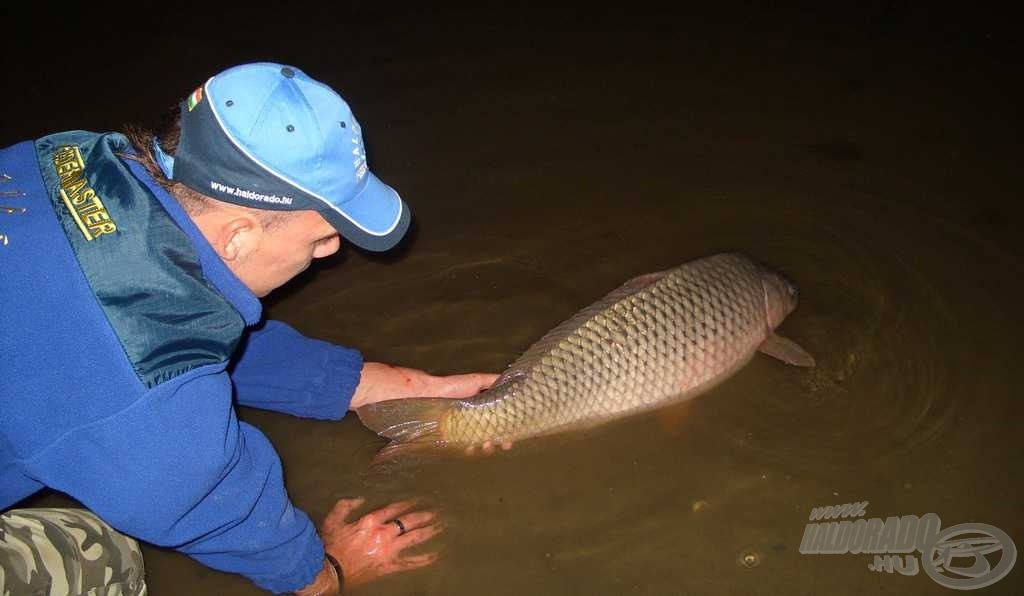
177	469
277	368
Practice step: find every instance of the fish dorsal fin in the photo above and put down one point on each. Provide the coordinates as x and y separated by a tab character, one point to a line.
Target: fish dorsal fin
524	363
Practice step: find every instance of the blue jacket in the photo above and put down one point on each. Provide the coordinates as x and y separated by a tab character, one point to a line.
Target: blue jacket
118	323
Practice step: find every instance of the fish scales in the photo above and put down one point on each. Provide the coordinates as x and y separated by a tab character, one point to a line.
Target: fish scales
659	338
728	290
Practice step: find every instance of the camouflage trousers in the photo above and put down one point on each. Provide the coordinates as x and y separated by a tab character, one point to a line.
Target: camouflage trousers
66	551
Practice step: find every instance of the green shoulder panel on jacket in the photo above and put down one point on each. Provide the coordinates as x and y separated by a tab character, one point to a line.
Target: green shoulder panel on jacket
142	268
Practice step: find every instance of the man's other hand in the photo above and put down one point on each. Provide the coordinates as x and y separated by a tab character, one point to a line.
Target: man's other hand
373	545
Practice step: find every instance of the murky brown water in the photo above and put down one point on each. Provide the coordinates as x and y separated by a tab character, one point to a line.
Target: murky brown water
873	162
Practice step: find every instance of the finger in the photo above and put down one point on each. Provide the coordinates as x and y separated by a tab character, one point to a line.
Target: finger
471	450
384	514
342	509
419	535
467	385
506	445
417	519
488	447
486	380
416	561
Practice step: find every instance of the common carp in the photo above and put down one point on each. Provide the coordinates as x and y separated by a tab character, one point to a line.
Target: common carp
658	339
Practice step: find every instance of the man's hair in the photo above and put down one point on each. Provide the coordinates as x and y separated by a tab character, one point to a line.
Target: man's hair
168	134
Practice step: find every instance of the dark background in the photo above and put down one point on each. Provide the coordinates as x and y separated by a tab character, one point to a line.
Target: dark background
97	66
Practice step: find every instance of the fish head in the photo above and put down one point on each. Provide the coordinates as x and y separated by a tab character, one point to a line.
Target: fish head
780	297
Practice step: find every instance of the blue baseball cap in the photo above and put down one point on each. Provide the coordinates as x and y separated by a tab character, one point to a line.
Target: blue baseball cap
267	136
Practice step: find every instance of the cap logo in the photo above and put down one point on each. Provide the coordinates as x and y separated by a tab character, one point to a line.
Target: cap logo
358	152
195	98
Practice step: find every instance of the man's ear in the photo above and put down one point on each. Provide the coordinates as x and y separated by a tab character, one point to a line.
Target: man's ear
239	237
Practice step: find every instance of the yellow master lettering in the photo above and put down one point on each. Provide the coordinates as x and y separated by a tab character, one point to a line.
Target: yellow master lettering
63	156
82	202
69	155
87	200
74	214
71	172
89	209
97	218
106	228
66	167
73	188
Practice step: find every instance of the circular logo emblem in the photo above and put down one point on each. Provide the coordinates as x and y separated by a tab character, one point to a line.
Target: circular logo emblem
956	557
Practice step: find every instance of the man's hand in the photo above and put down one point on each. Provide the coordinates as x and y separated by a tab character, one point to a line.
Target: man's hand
372	546
381	382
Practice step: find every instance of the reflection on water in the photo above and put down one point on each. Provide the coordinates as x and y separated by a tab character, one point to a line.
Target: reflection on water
551	166
710	495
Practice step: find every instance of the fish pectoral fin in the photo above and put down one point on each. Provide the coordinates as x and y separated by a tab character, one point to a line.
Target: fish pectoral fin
785	350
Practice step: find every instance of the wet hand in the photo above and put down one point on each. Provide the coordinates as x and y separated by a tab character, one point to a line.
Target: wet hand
489	447
372	546
381	382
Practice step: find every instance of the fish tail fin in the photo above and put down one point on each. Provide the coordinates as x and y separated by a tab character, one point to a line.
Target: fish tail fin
411	424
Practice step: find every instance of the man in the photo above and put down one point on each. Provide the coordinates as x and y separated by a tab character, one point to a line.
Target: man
130	319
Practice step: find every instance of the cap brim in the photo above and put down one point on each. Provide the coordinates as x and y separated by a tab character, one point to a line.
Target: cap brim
375	219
